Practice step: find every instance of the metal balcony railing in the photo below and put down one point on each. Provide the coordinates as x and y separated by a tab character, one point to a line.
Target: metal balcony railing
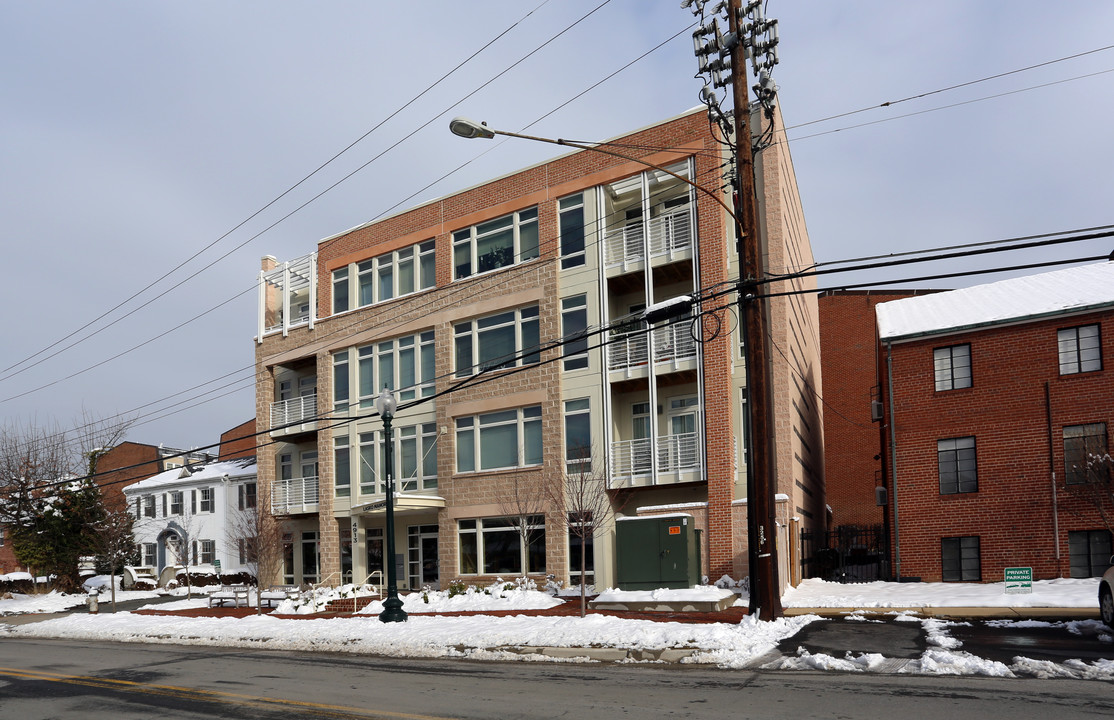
674	342
676	453
295	495
671	232
295	410
625	243
628	350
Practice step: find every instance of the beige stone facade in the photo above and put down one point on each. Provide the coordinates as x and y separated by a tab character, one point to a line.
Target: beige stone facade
506	319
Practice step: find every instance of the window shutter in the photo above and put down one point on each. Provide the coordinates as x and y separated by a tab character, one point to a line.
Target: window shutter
193	502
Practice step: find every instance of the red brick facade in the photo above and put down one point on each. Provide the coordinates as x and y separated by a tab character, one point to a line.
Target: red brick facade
1015	409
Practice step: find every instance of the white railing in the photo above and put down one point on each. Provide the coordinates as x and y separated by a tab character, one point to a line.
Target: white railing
294	496
294	410
624	244
670	233
627	350
674	342
676	453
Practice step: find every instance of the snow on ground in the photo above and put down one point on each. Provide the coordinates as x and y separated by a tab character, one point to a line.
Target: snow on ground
485	636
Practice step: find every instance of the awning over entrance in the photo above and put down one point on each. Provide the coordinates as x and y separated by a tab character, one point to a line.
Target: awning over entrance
403	503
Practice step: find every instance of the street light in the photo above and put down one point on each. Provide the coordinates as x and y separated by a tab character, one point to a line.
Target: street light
392	606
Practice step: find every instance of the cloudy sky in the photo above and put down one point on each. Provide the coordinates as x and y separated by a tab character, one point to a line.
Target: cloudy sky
145	149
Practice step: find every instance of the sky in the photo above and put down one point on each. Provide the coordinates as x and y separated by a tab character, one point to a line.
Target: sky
151	153
480	636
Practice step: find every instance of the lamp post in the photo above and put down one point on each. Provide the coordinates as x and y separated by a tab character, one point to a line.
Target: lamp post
392	606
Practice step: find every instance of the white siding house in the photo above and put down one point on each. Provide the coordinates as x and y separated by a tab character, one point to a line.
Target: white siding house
189	515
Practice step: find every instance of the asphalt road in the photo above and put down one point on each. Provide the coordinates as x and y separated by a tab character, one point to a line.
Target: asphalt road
54	679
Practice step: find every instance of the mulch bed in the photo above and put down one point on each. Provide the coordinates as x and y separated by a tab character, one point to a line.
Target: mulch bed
570	608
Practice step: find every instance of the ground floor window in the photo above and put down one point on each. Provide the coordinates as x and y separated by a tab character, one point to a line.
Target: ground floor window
1090	552
149	554
309	557
421	556
960	559
575	543
374	538
288	558
493	546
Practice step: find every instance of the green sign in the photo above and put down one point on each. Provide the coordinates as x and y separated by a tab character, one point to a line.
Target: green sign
1019	580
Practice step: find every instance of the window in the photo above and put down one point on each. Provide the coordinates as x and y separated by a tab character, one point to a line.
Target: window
1084	446
496	243
396	273
247	496
340	290
340	381
375	550
506	439
207	504
952	366
578	436
571	222
1089	551
406	365
496	341
207	548
415	459
176	503
246	550
493	546
342	478
149	551
574	327
959	559
958	469
149	506
575	543
1079	349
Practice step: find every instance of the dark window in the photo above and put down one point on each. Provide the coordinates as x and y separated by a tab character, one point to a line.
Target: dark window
1089	551
574	327
572	231
1079	349
959	559
958	468
952	366
1084	448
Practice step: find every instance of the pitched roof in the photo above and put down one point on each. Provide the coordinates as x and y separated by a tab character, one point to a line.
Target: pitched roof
234	469
1059	292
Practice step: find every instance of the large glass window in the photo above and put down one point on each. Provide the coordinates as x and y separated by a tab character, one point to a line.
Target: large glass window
397	273
497	341
493	546
506	439
415	459
1084	448
574	327
340	290
571	222
496	243
342	477
960	559
1079	349
405	365
952	366
1089	551
340	381
578	436
576	542
958	466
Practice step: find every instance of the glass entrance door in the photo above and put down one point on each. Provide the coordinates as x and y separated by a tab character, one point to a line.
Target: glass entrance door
422	563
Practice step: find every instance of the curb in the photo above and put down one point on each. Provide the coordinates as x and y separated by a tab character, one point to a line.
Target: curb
984	613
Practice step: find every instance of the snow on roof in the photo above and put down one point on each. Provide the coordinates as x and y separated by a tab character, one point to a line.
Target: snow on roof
243	467
1053	293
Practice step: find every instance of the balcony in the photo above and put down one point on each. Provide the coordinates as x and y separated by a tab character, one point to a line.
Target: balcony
293	496
674	344
670	238
678	459
296	415
628	351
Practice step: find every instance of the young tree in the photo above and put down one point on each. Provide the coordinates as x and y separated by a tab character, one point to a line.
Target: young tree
580	495
523	503
257	534
1089	472
61	529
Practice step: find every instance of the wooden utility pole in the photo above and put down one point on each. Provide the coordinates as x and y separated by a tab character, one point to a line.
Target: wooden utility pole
765	593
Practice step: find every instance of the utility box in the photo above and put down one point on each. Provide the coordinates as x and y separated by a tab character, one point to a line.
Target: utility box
657	552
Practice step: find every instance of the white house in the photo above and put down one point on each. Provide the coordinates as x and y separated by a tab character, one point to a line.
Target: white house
189	515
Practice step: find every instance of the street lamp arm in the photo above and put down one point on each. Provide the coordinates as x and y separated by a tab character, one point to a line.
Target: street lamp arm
465	128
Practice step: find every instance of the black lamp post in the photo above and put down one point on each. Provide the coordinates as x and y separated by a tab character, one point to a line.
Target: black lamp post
392	606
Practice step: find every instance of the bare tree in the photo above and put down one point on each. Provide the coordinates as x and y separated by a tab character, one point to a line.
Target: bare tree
114	541
522	502
1089	475
580	496
257	534
33	459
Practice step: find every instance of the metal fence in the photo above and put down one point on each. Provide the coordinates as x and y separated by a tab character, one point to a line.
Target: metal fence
848	554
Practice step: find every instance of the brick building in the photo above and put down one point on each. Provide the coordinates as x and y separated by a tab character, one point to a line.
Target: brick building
995	396
456	305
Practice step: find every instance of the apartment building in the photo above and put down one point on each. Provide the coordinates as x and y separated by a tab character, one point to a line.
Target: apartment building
998	404
507	320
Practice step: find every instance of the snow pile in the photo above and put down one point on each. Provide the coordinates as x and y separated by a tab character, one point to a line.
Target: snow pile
1062	592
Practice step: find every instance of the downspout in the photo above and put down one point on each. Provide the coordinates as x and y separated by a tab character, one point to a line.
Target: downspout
1052	476
893	458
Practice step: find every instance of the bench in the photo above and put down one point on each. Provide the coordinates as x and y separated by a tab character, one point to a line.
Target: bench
277	593
236	594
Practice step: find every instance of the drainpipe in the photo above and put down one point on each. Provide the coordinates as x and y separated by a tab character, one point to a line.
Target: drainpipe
1052	476
893	458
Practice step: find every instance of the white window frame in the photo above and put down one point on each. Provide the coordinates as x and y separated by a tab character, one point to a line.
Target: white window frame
1079	349
575	351
413	355
342	384
177	502
949	370
342	479
468	341
149	553
340	280
481	528
527	423
578	459
207	502
525	242
208	552
370	273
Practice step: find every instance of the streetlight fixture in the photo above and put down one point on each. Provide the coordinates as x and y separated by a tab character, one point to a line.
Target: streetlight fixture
392	606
